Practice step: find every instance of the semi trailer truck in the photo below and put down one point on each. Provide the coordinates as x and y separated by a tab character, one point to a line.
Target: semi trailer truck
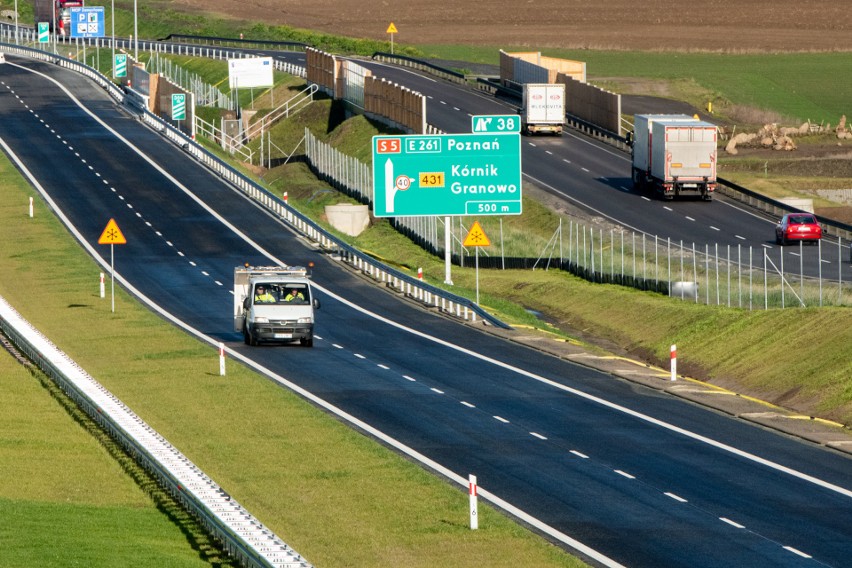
543	108
674	155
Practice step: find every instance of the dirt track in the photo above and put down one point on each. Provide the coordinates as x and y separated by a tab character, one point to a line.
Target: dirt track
726	25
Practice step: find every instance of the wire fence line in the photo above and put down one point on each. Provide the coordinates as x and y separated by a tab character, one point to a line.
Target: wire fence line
205	94
713	274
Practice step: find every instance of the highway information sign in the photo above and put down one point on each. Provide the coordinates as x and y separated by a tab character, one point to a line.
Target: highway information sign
87	22
447	175
44	32
178	106
495	123
121	65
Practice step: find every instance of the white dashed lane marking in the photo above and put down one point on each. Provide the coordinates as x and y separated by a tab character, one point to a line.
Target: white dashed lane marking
732	523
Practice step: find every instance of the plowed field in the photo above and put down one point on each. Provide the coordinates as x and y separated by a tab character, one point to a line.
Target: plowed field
714	25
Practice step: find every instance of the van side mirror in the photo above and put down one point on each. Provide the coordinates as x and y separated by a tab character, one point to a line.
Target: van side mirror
316	304
246	303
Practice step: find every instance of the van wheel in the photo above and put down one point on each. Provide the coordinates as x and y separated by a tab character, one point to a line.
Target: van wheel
248	337
307	341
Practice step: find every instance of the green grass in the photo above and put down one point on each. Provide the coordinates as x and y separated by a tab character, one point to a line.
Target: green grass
336	496
69	497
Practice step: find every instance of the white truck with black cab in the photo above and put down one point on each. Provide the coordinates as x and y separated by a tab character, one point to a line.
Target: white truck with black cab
274	304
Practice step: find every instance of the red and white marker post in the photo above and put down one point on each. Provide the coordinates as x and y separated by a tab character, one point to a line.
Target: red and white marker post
420	274
474	517
674	362
221	359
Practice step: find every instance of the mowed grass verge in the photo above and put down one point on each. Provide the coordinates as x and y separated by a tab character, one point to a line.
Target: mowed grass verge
65	500
338	497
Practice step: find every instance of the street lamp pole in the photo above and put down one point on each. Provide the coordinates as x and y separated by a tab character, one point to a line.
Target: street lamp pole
136	30
112	13
16	22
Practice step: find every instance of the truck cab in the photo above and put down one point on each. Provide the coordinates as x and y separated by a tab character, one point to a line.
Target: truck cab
274	304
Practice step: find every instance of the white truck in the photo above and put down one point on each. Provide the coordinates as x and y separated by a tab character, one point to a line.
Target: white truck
274	304
543	108
674	154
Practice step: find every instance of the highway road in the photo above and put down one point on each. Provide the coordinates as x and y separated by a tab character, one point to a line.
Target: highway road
642	477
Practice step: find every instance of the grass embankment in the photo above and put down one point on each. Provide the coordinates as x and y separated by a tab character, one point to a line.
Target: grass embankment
68	496
337	497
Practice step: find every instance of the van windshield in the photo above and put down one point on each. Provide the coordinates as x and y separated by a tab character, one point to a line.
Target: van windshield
281	293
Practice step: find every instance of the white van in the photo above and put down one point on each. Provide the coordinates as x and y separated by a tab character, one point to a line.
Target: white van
274	304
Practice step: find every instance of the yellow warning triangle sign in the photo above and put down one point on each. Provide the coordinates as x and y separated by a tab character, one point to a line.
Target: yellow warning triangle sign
112	235
476	237
391	29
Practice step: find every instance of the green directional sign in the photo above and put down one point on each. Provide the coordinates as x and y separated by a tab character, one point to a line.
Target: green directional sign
179	107
120	65
44	32
495	123
447	175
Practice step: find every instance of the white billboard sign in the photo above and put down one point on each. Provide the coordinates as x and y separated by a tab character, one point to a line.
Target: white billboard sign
249	73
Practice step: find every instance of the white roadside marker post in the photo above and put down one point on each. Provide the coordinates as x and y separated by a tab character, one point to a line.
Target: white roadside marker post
31	207
474	518
103	287
221	359
674	362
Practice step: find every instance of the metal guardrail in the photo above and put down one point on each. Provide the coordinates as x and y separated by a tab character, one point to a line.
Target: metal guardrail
414	63
778	208
213	40
244	537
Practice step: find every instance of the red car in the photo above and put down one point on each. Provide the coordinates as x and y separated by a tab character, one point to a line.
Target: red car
797	227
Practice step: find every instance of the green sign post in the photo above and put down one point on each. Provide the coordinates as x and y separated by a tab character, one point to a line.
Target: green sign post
447	175
179	107
44	32
120	65
495	123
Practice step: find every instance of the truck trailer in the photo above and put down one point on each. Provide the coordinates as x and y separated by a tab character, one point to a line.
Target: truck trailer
674	155
274	304
55	11
543	108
